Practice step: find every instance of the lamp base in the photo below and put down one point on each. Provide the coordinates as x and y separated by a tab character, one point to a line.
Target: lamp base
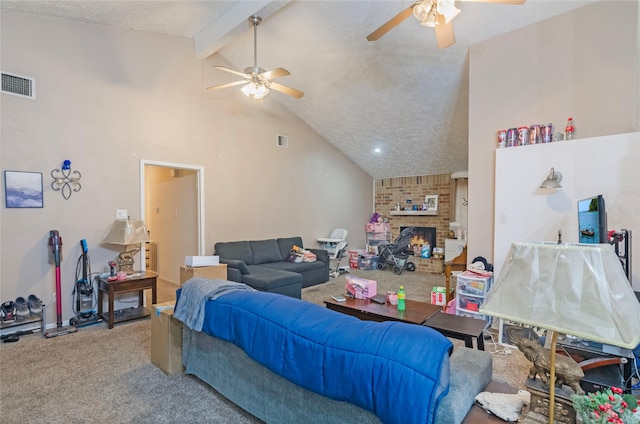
564	412
125	261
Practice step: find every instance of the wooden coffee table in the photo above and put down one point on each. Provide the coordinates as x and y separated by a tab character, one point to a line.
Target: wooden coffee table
415	312
419	313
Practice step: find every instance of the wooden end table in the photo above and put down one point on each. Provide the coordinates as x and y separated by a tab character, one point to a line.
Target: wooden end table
459	327
138	284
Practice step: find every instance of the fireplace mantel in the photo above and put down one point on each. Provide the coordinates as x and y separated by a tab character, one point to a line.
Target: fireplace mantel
413	213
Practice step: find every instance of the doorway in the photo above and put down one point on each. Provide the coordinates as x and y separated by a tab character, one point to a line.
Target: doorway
171	202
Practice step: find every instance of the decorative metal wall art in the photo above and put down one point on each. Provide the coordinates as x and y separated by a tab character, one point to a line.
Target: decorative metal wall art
65	180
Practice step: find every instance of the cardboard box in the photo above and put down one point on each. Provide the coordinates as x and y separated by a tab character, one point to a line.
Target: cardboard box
166	338
202	260
361	288
438	295
353	258
217	272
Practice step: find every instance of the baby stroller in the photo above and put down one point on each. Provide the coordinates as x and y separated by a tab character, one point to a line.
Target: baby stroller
392	253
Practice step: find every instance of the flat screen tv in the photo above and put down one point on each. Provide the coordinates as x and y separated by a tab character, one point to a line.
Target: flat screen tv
592	220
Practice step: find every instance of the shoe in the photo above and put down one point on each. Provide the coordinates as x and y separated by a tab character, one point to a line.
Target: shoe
22	310
9	311
35	304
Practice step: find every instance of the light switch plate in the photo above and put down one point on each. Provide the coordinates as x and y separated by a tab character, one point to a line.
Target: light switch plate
121	214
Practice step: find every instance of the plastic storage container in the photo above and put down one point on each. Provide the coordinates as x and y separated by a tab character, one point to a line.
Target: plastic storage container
471	291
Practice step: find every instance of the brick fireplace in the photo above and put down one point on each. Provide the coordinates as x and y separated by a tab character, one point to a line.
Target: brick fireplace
390	191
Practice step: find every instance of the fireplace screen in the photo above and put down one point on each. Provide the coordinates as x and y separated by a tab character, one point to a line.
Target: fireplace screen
423	234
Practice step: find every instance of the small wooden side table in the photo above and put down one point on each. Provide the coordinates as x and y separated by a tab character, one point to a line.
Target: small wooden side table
138	284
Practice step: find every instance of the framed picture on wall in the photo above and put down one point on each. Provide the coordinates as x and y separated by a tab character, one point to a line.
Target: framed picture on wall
23	189
431	202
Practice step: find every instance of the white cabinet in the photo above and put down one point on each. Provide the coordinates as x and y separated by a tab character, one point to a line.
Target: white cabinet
471	291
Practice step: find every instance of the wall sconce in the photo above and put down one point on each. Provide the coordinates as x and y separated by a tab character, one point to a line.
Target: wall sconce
553	180
64	181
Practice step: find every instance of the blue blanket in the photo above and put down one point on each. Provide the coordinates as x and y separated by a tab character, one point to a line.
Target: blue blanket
398	371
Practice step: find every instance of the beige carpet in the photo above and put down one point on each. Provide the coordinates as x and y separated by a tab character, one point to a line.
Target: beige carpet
105	376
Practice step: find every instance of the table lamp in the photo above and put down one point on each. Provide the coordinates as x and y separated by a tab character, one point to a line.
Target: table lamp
127	232
576	289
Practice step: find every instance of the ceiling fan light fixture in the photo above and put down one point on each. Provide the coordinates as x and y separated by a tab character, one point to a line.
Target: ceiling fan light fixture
432	19
421	10
249	89
448	9
256	89
261	91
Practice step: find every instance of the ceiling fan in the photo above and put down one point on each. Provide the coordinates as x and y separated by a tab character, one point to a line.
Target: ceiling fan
437	14
257	82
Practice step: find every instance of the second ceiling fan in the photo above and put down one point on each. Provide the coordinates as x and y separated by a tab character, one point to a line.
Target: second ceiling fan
437	14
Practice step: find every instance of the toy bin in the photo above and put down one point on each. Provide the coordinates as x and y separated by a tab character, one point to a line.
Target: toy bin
367	262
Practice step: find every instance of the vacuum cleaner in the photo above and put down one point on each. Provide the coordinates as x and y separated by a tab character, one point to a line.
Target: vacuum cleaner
83	293
55	257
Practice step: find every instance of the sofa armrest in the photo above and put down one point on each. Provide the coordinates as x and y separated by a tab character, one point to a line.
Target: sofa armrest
234	274
470	372
236	264
321	254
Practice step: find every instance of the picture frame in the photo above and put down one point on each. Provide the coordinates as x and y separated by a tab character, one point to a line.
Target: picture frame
23	189
431	202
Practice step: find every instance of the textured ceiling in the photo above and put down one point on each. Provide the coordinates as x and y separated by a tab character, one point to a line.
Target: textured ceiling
400	94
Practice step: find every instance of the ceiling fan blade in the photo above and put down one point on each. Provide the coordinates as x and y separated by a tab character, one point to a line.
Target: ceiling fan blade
231	84
275	73
286	90
391	23
444	33
498	1
241	74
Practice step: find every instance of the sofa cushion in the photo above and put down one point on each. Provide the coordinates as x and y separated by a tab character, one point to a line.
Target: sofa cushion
266	279
265	251
235	250
295	266
286	243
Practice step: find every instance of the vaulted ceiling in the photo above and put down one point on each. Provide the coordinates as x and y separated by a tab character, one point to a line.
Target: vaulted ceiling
399	94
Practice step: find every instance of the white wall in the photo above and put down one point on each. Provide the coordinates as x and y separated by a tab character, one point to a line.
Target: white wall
585	64
107	98
600	165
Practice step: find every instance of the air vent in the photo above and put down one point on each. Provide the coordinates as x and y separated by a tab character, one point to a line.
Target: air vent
18	86
282	141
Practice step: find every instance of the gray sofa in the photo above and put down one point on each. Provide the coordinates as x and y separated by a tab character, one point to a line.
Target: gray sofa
261	264
274	399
